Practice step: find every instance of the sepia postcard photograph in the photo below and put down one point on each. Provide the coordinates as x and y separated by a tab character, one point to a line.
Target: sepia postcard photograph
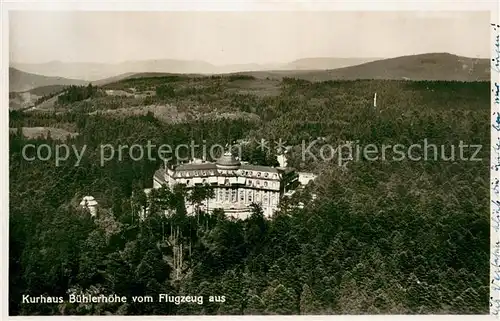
287	162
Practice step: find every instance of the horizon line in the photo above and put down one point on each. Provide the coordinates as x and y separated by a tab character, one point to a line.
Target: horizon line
232	64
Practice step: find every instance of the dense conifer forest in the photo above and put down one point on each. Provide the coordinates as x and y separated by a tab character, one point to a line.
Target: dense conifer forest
382	237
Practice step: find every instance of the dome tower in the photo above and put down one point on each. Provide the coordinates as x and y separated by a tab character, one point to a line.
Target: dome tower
228	161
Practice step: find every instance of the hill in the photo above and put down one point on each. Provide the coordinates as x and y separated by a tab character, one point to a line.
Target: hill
109	80
47	90
85	71
323	63
432	66
20	81
99	71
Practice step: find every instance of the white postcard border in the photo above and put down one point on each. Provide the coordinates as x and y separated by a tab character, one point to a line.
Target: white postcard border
228	5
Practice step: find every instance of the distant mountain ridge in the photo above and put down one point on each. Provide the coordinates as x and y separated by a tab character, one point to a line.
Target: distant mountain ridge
431	66
23	81
98	71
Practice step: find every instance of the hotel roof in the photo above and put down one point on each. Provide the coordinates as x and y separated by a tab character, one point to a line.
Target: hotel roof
195	166
259	168
208	166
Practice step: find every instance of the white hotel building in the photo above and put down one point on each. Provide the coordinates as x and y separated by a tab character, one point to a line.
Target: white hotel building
236	184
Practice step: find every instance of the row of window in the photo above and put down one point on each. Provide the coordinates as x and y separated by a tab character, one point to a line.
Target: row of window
226	172
195	173
231	195
256	183
259	183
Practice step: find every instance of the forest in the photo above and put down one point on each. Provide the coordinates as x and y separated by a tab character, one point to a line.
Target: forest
384	237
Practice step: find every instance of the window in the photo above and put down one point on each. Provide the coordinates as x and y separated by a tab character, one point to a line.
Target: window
242	196
195	173
204	173
221	195
249	182
258	174
227	195
204	181
233	195
187	182
266	174
250	196
265	184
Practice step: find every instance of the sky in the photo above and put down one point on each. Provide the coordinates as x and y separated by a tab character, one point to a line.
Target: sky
224	38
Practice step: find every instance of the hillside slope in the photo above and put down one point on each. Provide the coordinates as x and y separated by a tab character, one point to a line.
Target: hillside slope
323	63
23	81
432	66
99	71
